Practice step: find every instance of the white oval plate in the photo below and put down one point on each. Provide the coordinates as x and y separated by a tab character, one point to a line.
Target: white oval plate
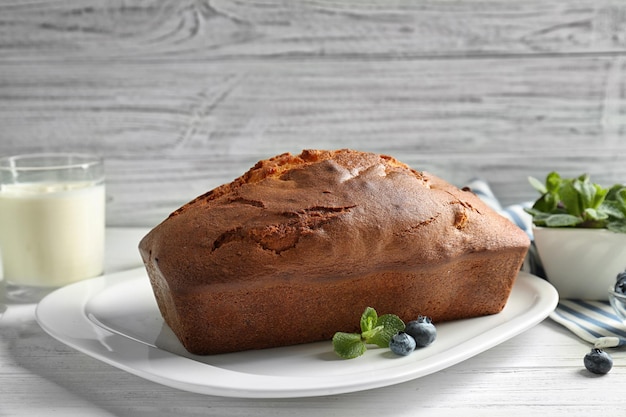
114	318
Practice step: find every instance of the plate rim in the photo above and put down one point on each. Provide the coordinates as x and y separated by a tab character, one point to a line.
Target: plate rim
228	383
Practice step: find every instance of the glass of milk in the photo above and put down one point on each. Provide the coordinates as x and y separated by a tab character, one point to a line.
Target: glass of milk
52	221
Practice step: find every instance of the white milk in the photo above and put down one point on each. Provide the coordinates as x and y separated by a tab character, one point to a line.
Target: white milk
51	234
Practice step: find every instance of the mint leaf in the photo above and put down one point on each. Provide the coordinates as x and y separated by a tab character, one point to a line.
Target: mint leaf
562	220
612	209
590	195
600	195
368	319
594	215
374	330
617	226
578	202
390	324
546	203
553	182
570	197
618	197
537	185
367	335
348	345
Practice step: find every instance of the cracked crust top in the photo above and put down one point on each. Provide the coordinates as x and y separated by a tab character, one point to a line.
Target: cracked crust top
321	215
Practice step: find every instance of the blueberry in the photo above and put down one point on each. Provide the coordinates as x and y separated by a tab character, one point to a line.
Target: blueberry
402	344
598	361
620	284
422	330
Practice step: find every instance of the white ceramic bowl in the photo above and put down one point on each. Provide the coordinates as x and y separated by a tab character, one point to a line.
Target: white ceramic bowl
581	263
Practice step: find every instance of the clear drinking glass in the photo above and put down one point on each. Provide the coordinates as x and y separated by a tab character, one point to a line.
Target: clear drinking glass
52	221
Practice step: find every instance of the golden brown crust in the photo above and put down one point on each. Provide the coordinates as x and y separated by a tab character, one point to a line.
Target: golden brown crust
298	246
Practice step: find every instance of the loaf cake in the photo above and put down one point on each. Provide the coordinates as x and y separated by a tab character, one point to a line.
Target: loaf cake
295	249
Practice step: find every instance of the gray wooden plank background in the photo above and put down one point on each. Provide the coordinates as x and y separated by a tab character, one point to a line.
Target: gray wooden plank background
182	96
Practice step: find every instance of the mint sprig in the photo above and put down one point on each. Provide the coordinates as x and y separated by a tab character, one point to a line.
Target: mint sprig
577	202
375	330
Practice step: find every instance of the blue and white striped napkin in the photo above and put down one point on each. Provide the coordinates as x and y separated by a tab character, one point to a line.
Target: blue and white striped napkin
593	321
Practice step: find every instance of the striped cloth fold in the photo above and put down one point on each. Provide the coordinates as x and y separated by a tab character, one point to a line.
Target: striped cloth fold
593	321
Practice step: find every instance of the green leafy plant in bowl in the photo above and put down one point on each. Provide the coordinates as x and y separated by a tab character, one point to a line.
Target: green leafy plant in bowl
580	234
577	202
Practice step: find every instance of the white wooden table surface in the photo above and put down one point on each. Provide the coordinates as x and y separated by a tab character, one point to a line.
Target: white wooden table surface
539	371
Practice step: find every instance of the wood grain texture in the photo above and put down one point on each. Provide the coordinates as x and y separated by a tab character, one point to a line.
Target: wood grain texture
181	96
